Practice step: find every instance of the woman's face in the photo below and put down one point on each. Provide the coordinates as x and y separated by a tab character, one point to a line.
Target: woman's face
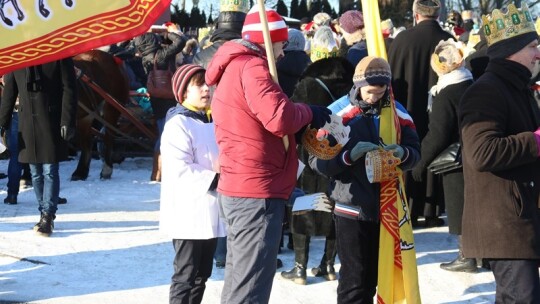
373	93
198	96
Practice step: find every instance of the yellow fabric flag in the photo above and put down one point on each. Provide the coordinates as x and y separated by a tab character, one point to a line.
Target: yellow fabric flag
398	275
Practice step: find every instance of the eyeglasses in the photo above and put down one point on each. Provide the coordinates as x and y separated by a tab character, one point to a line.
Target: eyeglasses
285	44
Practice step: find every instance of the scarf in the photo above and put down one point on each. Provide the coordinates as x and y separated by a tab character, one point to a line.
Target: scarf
456	76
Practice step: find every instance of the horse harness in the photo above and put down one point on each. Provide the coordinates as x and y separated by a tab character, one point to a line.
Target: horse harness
321	83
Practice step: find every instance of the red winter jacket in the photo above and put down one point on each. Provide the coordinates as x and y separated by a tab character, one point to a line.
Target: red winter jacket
252	114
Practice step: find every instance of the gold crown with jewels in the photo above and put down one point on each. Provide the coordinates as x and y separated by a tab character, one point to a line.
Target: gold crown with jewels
500	26
319	146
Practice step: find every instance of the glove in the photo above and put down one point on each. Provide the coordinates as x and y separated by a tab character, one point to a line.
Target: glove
214	184
322	203
398	150
67	133
417	173
361	148
321	116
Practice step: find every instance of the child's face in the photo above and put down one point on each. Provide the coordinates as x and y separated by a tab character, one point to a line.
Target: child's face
372	93
198	96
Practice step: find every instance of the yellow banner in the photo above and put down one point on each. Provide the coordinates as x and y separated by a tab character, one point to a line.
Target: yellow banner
39	31
397	274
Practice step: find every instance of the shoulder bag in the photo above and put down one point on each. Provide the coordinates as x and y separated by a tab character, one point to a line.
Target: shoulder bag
159	83
447	160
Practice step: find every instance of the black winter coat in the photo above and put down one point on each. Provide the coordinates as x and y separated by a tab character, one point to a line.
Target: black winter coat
500	165
412	77
150	48
290	68
42	112
443	131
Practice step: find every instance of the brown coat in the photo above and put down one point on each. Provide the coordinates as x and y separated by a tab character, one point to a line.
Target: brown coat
501	165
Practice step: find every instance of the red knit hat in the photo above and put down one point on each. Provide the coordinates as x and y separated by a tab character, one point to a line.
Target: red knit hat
253	30
181	79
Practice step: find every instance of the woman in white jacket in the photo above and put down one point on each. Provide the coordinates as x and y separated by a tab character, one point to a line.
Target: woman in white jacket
190	171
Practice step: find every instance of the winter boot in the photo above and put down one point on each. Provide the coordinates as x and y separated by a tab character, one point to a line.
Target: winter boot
326	271
326	268
460	263
46	225
41	221
297	274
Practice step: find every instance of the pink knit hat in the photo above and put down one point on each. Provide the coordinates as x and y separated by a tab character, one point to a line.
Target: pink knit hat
351	21
253	30
181	79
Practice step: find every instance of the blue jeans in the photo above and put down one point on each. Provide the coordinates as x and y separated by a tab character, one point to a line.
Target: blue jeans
14	167
220	255
46	182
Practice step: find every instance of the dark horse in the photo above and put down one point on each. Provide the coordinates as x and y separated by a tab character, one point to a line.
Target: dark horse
102	69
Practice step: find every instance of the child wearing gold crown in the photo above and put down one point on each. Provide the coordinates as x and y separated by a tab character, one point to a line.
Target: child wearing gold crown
499	124
357	200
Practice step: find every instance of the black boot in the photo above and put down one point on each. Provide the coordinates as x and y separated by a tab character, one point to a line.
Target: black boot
326	268
45	225
460	263
297	274
41	221
326	271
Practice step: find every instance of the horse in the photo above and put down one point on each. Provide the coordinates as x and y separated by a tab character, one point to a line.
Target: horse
102	69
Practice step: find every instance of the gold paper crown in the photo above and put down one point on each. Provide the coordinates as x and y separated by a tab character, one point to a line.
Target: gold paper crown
321	52
320	148
499	26
234	6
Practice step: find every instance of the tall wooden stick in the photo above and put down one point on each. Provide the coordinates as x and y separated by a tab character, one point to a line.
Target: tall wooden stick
270	53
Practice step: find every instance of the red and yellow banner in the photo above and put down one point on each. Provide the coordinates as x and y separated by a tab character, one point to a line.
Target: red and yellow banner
397	274
38	31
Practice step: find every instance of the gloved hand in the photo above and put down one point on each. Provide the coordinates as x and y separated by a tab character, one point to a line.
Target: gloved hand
214	184
321	115
417	173
322	203
361	148
398	150
67	133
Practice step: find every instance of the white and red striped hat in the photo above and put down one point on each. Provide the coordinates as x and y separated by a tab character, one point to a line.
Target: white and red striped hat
253	30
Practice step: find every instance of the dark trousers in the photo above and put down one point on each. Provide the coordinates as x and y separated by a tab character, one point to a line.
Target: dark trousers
192	267
253	235
516	281
358	250
301	249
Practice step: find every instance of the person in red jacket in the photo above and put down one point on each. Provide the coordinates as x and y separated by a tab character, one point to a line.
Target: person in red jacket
255	130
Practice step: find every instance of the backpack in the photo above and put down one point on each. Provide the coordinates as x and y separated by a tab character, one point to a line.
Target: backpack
159	83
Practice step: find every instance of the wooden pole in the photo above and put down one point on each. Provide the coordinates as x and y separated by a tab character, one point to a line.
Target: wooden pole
270	53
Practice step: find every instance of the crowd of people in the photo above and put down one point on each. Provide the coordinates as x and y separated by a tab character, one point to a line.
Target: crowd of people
231	137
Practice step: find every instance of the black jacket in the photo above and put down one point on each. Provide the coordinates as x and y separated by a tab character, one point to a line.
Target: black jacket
41	112
290	68
150	47
412	77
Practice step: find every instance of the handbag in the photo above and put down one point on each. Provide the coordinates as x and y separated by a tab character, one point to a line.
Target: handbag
159	83
449	159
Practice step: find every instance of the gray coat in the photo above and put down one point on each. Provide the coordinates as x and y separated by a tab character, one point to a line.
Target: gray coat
41	112
501	166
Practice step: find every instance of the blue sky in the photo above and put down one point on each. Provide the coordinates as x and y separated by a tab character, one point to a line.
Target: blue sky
204	5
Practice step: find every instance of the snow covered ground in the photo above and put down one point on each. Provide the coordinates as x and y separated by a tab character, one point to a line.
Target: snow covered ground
106	248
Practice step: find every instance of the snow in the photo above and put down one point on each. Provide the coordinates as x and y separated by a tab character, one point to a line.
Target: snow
106	248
